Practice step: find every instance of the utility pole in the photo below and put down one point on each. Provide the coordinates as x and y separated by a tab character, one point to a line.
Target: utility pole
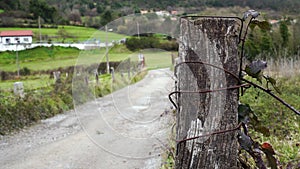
17	60
138	29
39	21
106	53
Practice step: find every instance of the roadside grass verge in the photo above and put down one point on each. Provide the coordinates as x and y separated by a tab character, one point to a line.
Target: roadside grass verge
283	124
45	98
45	102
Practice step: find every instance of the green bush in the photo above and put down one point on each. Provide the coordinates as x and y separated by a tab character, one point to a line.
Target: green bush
135	43
17	112
25	71
150	41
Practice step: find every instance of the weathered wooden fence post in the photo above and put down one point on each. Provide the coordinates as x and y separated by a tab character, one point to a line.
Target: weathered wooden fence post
207	101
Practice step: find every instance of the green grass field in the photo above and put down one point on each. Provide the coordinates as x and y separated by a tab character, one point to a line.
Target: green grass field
155	59
78	34
43	58
51	58
28	82
283	124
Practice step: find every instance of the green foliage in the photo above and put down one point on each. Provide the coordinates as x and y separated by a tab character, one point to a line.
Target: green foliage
256	122
282	124
284	32
251	47
37	54
40	8
53	11
25	71
263	25
259	41
47	101
16	112
88	5
106	17
135	43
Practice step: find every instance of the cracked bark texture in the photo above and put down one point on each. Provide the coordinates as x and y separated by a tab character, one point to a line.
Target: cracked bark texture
214	41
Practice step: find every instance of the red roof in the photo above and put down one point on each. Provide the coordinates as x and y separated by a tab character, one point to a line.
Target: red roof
16	33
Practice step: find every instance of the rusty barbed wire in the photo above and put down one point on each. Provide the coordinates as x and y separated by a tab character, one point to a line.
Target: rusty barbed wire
208	64
205	91
211	134
208	91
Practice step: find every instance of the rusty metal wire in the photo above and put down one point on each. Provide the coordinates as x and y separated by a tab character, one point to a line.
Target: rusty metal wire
208	64
206	90
211	134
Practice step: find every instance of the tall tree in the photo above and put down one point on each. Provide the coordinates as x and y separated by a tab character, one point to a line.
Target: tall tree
106	17
284	32
42	9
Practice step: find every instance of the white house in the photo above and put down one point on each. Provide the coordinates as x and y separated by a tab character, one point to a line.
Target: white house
162	13
16	37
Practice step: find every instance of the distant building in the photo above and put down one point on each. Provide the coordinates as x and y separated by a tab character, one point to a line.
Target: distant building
144	12
16	37
174	12
272	22
162	13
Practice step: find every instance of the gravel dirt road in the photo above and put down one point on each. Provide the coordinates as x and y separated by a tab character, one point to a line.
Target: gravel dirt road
124	130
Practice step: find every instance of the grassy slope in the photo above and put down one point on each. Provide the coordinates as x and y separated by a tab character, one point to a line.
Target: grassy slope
284	125
53	58
50	58
79	33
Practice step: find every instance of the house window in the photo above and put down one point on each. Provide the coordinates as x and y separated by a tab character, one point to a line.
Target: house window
7	40
17	40
26	39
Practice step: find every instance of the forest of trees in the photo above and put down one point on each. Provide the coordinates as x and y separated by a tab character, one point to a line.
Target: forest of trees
96	11
281	40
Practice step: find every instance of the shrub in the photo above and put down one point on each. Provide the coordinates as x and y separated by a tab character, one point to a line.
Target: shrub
25	71
135	43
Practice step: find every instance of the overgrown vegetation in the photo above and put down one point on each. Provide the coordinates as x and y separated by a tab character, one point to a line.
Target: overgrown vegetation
151	41
256	147
277	124
45	98
269	126
17	112
41	103
280	41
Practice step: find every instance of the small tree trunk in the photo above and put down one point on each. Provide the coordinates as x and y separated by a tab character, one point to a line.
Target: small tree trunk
214	41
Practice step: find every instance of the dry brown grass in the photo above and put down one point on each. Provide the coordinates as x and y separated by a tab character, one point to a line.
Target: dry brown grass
285	67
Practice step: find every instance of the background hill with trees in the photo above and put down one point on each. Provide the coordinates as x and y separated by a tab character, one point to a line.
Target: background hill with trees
98	12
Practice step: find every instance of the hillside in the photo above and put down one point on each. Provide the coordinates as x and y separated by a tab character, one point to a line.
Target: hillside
97	13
